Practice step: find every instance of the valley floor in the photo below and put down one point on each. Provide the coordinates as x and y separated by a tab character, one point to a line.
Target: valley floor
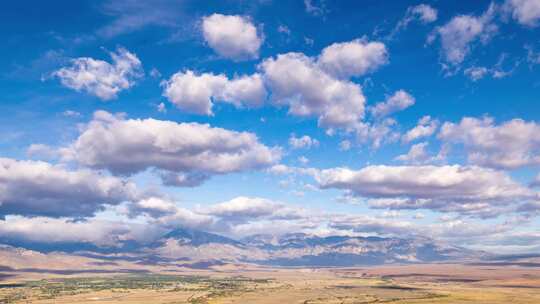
431	283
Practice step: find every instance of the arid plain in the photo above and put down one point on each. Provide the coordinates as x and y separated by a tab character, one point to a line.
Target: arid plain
425	283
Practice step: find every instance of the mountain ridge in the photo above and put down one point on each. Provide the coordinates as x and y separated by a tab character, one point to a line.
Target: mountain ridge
294	249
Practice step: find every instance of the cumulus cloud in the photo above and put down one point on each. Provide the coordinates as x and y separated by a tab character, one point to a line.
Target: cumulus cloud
460	32
244	207
36	188
465	189
526	12
302	142
298	82
183	217
416	155
509	145
196	93
184	148
233	37
426	127
101	78
399	101
353	58
320	86
154	207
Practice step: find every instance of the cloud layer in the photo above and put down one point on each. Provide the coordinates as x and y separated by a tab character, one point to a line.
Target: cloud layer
466	189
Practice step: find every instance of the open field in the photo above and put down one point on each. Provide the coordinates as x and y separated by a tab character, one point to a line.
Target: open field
387	284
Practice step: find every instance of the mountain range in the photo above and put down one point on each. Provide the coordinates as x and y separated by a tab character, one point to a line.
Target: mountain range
290	250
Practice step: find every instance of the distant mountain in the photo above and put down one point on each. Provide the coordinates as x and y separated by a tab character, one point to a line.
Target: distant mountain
197	238
298	249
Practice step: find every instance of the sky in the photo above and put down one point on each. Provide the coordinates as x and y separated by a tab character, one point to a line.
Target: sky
121	120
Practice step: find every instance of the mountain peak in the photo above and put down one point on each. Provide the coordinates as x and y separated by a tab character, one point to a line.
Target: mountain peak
197	237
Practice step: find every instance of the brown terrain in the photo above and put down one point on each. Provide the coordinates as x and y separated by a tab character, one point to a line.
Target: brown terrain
31	277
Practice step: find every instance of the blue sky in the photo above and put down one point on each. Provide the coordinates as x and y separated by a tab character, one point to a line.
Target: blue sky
266	154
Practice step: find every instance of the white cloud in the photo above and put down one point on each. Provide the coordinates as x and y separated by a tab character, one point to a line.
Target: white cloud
129	16
237	214
345	145
319	86
303	160
419	216
526	12
233	37
95	231
191	179
100	78
298	82
353	58
161	108
448	182
464	189
187	218
36	188
532	56
370	224
511	144
399	101
315	9
476	73
536	181
153	206
196	93
244	207
422	12
459	33
416	155
42	151
184	148
302	142
155	73
71	113
284	29
377	133
426	127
